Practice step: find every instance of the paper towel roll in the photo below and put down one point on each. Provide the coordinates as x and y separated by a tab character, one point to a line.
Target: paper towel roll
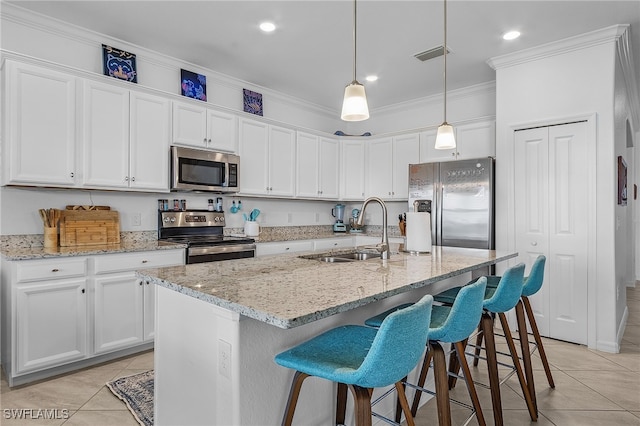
418	232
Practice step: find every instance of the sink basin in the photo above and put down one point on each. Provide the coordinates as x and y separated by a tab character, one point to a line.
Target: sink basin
343	257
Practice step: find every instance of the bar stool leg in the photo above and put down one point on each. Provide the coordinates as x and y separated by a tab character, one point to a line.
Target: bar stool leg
492	367
296	385
526	353
362	402
460	346
402	400
421	380
341	404
442	386
533	412
536	336
476	358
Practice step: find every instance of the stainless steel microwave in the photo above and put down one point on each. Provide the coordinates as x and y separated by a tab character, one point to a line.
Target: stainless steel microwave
202	170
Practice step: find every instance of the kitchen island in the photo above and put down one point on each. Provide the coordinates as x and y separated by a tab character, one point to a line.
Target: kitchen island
219	325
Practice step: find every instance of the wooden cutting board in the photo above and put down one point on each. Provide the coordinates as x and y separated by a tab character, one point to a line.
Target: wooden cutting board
89	227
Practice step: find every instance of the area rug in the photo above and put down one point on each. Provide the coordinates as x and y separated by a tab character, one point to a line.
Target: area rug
137	392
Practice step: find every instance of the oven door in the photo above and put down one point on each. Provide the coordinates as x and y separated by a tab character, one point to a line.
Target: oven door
200	170
220	252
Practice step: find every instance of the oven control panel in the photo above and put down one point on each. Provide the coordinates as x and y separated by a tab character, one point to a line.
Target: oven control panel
185	219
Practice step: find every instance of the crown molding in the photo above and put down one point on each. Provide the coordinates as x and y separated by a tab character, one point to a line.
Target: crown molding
625	54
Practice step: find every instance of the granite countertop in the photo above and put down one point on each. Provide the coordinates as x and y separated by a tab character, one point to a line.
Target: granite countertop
288	291
39	252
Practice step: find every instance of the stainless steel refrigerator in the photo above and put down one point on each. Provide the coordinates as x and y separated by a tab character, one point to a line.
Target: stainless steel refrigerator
460	197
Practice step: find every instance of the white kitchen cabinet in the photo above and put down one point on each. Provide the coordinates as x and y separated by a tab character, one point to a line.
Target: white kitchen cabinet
333	243
40	118
352	169
264	249
58	313
380	168
406	150
204	128
126	139
473	140
268	159
317	162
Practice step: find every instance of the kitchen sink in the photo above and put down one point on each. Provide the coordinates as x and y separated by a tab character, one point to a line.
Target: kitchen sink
342	257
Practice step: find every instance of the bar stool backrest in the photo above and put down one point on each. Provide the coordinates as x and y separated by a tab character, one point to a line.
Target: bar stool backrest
397	347
508	292
533	282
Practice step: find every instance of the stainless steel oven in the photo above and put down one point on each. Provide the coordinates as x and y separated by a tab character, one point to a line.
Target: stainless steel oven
202	232
202	170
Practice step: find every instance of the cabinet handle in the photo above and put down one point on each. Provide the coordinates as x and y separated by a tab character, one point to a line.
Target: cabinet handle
126	178
83	291
146	282
453	154
133	179
55	270
204	140
145	261
209	141
71	174
533	243
286	248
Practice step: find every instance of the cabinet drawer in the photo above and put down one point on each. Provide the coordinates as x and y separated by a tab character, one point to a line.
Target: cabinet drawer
332	243
132	261
39	270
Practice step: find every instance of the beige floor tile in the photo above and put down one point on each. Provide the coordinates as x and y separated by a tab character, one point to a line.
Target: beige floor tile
570	356
621	387
142	361
102	418
591	418
632	334
13	418
104	400
629	356
636	413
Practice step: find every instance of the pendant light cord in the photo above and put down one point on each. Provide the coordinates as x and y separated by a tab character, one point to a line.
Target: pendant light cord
355	39
445	61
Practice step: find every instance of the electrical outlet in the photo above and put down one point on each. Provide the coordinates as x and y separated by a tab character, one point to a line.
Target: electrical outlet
224	358
136	219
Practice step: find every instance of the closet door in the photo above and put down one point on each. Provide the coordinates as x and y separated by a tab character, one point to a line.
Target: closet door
551	219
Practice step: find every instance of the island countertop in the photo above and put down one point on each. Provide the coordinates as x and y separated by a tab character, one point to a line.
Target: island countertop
288	291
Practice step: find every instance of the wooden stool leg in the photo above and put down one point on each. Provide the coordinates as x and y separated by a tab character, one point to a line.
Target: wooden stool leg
442	387
362	405
478	346
460	346
421	380
402	400
454	364
341	404
399	407
296	385
533	413
536	336
492	367
526	352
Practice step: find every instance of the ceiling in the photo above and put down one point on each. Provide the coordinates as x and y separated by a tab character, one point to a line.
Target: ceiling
309	56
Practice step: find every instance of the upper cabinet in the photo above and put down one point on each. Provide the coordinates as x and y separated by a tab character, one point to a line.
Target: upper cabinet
200	127
317	163
267	155
406	150
40	133
473	140
352	169
388	165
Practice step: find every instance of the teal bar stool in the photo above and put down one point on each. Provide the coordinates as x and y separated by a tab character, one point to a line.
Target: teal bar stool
499	299
361	358
449	324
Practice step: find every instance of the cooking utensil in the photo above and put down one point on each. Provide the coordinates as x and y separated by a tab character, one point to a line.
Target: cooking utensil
254	215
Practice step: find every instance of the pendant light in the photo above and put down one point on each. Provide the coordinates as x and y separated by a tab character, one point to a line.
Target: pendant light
445	139
354	106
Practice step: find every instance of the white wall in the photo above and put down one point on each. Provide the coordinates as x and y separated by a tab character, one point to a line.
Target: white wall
552	84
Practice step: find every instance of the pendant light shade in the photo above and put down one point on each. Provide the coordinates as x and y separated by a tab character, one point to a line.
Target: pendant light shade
445	139
354	105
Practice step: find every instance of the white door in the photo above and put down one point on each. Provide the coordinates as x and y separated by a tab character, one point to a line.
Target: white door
282	157
254	150
41	127
149	142
307	173
406	150
51	329
551	205
189	125
380	176
352	170
118	304
222	131
105	136
329	164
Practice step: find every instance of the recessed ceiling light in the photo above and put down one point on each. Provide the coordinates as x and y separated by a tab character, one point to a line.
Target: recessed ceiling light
371	77
511	35
267	27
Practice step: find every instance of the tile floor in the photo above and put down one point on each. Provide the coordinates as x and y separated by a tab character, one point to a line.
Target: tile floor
592	388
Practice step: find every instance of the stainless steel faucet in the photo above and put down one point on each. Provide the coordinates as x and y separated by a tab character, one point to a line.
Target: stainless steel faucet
383	247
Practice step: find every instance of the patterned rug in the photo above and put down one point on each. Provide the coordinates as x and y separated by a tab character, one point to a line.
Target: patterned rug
137	392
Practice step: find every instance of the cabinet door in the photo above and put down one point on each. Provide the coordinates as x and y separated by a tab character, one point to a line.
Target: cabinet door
476	140
329	165
380	180
307	173
406	150
264	249
149	142
352	170
41	126
149	308
254	150
222	131
282	157
189	125
118	304
105	136
428	152
51	323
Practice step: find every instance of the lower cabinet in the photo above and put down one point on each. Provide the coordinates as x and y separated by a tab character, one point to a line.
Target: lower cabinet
68	310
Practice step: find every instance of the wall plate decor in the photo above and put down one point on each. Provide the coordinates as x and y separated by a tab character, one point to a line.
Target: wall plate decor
193	85
622	181
119	64
252	102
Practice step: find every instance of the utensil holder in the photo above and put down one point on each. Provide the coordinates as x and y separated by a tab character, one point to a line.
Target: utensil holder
251	229
50	237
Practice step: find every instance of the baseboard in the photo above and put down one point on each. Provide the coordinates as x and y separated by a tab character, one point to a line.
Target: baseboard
614	347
